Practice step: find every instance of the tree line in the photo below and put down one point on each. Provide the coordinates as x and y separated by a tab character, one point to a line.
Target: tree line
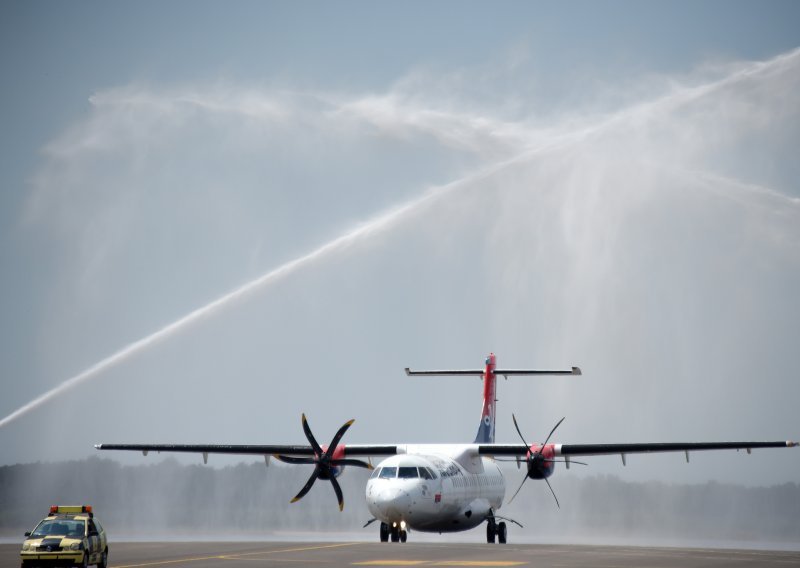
166	498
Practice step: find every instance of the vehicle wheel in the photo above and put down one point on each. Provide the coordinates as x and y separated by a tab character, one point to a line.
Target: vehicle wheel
85	563
384	532
491	530
395	534
403	536
501	533
103	560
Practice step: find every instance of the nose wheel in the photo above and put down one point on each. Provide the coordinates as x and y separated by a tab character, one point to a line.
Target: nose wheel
395	534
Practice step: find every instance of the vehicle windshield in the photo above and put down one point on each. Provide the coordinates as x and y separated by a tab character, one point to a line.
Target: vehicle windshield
60	527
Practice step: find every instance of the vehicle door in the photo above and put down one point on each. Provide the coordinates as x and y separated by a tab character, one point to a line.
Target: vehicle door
93	541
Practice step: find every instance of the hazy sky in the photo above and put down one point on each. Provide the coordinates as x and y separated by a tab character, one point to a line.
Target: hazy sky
610	185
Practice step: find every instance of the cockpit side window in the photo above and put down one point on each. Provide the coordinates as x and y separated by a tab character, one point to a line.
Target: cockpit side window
425	473
388	472
375	473
407	472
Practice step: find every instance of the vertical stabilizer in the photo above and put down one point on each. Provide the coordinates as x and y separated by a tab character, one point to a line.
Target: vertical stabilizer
485	433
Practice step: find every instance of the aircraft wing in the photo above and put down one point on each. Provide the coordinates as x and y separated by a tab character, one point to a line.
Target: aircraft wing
622	449
253	450
605	449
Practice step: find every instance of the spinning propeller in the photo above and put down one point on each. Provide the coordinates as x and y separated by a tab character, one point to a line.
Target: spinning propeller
325	462
537	463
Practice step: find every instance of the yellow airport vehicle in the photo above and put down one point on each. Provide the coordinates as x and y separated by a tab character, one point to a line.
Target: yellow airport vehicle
68	536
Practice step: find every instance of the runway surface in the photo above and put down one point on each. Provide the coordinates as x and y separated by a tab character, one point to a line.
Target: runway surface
327	554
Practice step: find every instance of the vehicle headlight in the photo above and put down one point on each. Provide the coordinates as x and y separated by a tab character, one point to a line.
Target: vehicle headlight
26	546
76	546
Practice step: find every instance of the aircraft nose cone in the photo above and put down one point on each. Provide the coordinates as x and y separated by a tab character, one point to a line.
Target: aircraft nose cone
393	502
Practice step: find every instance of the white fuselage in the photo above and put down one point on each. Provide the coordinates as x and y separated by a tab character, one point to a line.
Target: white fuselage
435	488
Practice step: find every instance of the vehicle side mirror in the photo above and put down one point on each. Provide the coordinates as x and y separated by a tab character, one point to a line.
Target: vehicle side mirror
27	533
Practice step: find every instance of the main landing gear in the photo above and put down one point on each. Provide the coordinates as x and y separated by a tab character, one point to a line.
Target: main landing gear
495	529
396	532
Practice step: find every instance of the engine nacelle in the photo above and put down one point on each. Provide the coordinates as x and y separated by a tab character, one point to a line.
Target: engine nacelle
541	465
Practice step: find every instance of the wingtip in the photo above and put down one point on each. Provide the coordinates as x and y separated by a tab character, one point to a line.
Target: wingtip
791	444
98	446
408	371
576	371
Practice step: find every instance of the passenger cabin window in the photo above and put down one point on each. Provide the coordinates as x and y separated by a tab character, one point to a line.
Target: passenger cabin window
388	472
407	472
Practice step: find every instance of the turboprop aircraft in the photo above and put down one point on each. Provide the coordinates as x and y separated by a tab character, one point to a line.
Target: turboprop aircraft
440	487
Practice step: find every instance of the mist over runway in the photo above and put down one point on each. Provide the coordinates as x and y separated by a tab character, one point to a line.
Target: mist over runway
341	554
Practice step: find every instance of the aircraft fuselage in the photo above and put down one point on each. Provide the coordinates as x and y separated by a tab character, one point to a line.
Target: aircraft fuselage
435	491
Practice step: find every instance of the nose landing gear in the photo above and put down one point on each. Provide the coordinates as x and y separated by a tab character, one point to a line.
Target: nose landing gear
396	533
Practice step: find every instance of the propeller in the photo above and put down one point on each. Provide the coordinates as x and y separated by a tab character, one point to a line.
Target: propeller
324	462
536	461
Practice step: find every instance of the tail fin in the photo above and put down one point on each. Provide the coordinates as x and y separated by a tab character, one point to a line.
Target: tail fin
489	373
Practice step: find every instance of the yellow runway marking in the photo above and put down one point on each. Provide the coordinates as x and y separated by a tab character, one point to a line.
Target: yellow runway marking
391	563
474	563
478	563
235	556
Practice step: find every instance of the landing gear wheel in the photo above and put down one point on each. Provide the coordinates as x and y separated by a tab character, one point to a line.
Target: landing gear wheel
501	533
395	532
491	530
384	532
403	536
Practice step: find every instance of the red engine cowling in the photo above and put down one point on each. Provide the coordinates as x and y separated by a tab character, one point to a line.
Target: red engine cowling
540	461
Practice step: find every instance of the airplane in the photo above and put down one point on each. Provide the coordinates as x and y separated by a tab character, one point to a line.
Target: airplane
440	487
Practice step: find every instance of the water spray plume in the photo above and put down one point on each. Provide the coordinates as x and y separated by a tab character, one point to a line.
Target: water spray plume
637	113
379	223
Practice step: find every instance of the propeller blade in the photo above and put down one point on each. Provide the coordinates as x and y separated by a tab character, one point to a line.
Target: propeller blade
550	434
296	461
338	490
311	439
337	438
524	479
358	463
307	486
514	418
553	492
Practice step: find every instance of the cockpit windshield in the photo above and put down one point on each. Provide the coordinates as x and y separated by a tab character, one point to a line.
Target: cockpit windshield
404	472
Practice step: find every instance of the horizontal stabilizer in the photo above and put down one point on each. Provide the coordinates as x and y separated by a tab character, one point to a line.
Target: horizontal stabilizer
475	373
503	372
515	372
